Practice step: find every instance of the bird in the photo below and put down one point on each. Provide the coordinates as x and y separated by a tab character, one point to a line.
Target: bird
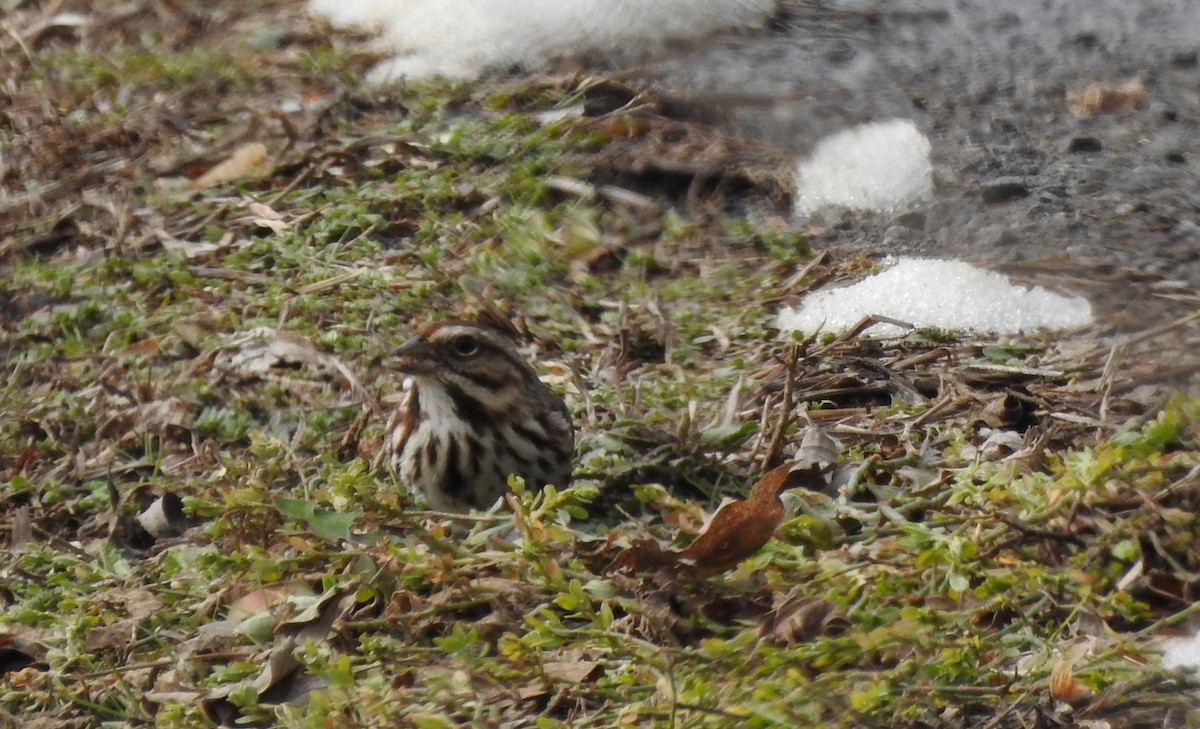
474	412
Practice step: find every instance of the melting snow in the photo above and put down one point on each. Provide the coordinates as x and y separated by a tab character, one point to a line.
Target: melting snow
881	166
1182	653
937	293
465	38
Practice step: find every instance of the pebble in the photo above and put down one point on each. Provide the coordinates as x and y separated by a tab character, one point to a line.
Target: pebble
1004	190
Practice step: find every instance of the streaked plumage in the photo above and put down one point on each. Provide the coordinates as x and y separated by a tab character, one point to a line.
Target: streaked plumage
475	412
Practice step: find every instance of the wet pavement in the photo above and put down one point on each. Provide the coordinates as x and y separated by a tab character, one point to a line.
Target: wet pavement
1017	175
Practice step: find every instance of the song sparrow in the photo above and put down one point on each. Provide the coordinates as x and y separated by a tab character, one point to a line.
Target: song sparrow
475	412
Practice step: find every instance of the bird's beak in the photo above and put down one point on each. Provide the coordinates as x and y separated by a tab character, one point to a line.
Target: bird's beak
414	357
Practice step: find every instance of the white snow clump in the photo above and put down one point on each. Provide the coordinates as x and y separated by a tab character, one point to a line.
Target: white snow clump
882	166
1182	653
937	293
461	39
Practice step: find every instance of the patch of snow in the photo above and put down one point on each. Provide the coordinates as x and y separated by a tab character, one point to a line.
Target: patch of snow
937	293
882	166
1182	653
464	38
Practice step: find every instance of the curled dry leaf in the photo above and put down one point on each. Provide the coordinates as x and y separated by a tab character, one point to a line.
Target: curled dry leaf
1064	686
249	160
170	415
270	597
263	351
260	350
66	23
317	620
737	530
1003	411
260	210
740	528
20	648
191	248
159	515
267	217
816	449
994	444
281	680
795	618
643	555
554	673
164	517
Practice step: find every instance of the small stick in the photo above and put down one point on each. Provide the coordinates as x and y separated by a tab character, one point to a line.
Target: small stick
791	358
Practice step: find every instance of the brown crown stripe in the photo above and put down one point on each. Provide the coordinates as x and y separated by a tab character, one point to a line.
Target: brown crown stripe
429	331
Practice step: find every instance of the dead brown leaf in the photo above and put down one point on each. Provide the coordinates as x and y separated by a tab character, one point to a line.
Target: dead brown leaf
643	555
281	680
271	597
267	217
817	450
264	352
21	648
571	671
1106	97
737	530
1064	686
260	350
740	528
249	160
168	416
137	605
1007	410
795	618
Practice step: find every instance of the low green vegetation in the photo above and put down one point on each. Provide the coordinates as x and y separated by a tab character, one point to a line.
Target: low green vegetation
229	346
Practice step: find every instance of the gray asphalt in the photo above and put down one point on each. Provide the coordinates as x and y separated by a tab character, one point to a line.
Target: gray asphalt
1017	175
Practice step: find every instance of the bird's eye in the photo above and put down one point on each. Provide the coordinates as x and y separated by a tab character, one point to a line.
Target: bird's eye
465	345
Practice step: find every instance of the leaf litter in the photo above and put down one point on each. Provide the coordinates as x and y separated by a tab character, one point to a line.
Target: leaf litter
988	532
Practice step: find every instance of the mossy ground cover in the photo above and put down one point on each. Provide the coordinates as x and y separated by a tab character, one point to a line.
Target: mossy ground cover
1006	529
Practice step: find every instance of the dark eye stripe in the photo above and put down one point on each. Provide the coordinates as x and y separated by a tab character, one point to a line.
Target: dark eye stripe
494	381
